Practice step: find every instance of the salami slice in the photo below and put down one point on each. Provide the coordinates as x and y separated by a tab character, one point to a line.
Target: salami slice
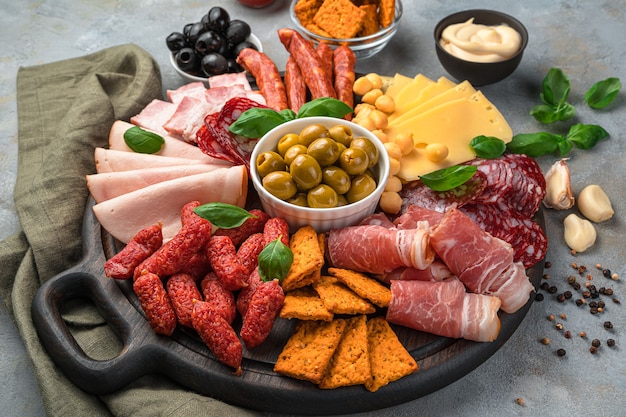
209	145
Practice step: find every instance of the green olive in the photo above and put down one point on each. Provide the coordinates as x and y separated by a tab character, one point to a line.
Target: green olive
342	200
286	142
280	184
336	178
269	161
312	132
299	200
342	134
362	186
369	148
306	172
341	147
322	196
292	152
324	150
354	161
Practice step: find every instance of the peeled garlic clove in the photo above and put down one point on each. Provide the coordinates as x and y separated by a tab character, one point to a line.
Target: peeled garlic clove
594	204
580	234
559	194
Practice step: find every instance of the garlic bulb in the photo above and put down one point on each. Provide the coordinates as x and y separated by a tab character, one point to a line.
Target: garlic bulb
580	234
559	194
594	204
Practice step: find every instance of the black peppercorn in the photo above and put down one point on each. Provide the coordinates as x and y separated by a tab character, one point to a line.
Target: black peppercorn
608	325
539	297
596	343
561	352
610	342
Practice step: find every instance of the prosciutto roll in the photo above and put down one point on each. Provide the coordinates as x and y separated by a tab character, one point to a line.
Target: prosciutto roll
436	271
377	249
482	262
444	308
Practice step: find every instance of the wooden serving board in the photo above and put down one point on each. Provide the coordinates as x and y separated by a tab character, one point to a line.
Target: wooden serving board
184	358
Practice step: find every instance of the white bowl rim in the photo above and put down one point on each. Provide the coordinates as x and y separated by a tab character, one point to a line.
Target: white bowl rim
251	38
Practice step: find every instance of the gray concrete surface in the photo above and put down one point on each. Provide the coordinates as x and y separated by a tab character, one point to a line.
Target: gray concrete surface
584	38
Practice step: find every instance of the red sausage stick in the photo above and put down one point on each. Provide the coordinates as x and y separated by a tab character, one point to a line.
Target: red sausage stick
295	85
155	303
325	52
183	292
267	77
222	300
344	63
262	311
142	245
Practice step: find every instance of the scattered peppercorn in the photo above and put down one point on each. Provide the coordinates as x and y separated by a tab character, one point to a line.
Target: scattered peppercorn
560	298
571	279
547	265
616	301
544	286
561	352
580	302
559	326
567	295
553	290
546	276
538	297
615	276
567	334
582	334
608	325
545	341
593	350
551	317
563	316
519	401
610	342
606	273
596	343
586	294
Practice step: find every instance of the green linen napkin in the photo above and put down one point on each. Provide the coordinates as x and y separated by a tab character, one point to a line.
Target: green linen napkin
65	110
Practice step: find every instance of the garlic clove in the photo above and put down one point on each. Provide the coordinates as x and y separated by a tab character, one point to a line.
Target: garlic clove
580	234
559	194
594	204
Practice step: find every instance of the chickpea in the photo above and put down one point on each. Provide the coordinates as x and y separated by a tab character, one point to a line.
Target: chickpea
375	79
393	184
379	118
362	111
366	122
393	150
381	135
371	96
436	152
390	202
394	166
405	142
385	104
362	86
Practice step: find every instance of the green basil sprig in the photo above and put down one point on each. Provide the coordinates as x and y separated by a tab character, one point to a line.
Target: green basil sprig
448	178
142	141
543	143
488	147
554	94
603	93
222	215
256	122
275	260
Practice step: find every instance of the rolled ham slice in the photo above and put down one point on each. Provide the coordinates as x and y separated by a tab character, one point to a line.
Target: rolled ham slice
109	160
444	308
125	215
173	147
482	262
377	249
436	271
109	185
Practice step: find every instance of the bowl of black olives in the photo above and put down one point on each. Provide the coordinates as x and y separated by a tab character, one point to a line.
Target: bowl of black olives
319	171
210	46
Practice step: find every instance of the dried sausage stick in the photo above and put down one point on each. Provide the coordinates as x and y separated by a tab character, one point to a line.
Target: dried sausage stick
267	77
183	292
295	85
325	52
223	257
309	62
264	307
155	303
344	63
246	293
142	245
222	300
248	252
251	226
274	228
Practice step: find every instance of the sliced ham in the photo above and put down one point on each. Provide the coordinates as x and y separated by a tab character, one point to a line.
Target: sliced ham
154	115
229	80
109	185
109	160
195	89
444	308
125	215
480	260
376	249
172	147
189	117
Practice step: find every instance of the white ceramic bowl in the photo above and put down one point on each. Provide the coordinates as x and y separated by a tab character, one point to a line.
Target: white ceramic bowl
252	39
363	47
322	219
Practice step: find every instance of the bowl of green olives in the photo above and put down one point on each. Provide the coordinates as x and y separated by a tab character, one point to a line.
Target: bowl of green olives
319	171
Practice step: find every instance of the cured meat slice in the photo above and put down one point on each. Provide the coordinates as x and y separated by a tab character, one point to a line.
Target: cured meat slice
125	215
220	95
195	89
154	115
209	145
189	117
109	160
229	80
478	259
445	309
379	219
416	214
172	147
377	249
436	271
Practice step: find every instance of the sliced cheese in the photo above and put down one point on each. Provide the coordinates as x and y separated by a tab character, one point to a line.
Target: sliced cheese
454	124
408	102
411	91
397	84
462	90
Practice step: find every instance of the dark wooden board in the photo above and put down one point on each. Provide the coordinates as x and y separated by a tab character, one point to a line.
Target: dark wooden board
185	359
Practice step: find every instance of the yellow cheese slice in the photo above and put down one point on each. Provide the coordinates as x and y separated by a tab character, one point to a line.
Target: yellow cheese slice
411	91
397	84
462	90
454	124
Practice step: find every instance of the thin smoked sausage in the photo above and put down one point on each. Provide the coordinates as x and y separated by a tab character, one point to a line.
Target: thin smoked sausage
344	63
267	77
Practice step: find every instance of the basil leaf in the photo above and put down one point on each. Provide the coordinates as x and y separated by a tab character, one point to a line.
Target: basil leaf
555	88
487	147
256	122
222	215
142	141
288	114
275	260
535	144
548	114
324	106
448	178
602	93
564	147
586	136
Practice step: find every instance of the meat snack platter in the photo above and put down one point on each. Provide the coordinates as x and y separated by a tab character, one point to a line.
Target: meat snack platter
184	358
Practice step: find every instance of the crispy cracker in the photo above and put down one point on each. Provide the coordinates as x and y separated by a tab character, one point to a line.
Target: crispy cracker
370	22
350	364
318	30
364	286
340	299
389	359
304	304
387	12
309	350
307	259
305	10
340	18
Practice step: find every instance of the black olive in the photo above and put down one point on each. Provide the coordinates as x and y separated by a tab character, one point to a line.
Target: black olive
233	66
213	64
195	31
237	32
217	19
175	41
186	29
243	45
187	60
209	42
